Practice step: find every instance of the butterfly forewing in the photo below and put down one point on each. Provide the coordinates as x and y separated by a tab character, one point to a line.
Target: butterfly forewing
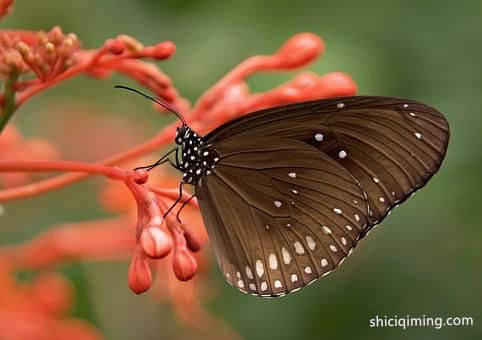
295	187
281	215
391	146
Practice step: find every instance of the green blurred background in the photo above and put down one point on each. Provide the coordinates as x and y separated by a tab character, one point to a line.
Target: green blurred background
424	260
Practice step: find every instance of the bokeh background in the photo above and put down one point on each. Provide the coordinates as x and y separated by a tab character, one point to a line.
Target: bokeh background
424	260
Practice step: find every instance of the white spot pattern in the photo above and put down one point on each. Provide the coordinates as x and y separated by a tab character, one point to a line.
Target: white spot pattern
299	248
319	137
308	270
249	273
342	154
259	268
264	286
273	262
326	230
336	210
277	204
277	284
292	174
294	277
418	135
286	256
324	262
310	242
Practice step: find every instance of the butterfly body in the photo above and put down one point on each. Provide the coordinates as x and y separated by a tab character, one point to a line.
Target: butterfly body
286	193
197	160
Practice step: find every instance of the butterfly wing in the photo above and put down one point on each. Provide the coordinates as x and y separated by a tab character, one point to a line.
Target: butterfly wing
279	213
297	186
391	146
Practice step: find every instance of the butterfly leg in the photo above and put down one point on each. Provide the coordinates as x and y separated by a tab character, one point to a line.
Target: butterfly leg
182	207
162	160
175	202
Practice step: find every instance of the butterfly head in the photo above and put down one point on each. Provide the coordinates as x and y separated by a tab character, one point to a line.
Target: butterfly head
182	134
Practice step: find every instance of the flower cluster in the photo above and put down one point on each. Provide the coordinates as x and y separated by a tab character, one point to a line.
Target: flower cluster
31	62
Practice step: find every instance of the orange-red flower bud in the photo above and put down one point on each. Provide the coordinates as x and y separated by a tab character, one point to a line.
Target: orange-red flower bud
300	50
140	275
155	242
184	264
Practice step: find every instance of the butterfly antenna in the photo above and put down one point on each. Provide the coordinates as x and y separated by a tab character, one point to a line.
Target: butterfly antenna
159	101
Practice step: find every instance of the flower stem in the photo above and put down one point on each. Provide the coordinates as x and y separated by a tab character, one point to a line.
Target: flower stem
71	166
9	95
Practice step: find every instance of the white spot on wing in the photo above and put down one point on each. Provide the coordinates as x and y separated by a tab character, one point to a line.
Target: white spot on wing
240	283
259	268
357	217
319	137
381	199
264	286
336	210
376	180
343	240
299	248
324	262
252	286
277	204
292	174
294	277
333	248
277	284
286	256
342	154
310	242
348	227
418	135
308	270
249	273
326	230
340	105
273	262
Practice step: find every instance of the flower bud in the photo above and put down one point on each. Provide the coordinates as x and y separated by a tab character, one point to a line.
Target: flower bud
300	50
115	46
155	242
140	275
184	265
164	50
192	242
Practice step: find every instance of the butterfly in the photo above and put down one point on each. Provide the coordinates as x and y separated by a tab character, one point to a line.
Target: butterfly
287	192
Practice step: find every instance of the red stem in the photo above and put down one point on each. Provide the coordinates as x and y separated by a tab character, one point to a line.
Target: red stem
34	189
71	166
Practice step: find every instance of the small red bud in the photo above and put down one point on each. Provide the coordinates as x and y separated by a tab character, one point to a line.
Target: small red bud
155	242
164	50
192	242
115	46
140	275
184	265
300	50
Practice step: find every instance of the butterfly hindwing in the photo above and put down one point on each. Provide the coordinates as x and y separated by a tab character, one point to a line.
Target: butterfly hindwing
279	213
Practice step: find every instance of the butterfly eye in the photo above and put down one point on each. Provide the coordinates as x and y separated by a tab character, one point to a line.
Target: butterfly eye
181	134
